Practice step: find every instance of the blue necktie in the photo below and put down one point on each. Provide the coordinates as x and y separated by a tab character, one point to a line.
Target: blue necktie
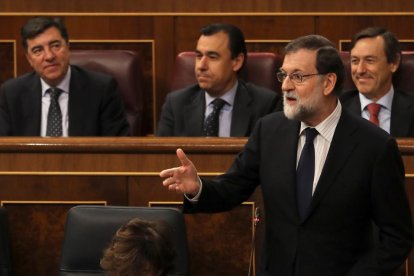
305	173
211	124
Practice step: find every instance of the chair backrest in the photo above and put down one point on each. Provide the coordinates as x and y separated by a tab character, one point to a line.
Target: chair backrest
125	67
260	69
89	230
403	79
5	255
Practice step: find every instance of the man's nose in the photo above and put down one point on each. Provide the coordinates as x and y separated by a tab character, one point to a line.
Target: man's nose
202	63
49	54
360	67
287	84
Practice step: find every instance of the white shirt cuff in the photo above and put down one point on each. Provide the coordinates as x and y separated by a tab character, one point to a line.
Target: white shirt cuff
197	196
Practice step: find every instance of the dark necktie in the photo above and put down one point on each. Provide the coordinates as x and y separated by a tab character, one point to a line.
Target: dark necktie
54	116
211	124
373	109
305	173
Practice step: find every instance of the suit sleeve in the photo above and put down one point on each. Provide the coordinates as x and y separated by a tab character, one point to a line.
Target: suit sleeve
391	214
166	123
235	186
113	117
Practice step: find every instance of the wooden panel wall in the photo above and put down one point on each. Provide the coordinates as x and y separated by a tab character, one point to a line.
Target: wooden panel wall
42	178
161	29
185	6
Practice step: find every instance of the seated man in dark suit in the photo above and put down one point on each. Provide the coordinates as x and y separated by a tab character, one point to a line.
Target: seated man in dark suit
375	57
58	99
220	54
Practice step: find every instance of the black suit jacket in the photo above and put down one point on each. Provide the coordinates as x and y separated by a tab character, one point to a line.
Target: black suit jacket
362	182
95	105
402	111
183	110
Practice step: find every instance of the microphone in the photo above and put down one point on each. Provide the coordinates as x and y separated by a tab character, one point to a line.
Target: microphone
256	221
256	216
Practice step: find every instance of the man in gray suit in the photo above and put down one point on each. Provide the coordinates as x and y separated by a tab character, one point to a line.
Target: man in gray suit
375	57
220	54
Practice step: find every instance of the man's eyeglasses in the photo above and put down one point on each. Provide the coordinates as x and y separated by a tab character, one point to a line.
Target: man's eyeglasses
294	77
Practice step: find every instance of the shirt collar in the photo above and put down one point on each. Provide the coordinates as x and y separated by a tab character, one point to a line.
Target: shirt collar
63	85
384	101
228	96
327	127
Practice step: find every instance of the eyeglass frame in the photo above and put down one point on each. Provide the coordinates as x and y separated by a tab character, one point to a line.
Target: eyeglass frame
300	80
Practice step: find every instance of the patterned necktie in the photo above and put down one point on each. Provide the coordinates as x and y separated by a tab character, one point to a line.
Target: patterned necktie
54	116
211	124
373	109
305	173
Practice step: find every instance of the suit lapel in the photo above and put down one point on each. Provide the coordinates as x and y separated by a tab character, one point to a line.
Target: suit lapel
401	115
195	114
341	148
241	113
31	103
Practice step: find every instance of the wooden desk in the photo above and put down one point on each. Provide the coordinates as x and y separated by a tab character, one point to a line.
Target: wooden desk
41	178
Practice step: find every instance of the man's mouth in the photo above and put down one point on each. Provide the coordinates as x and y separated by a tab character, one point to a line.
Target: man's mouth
363	77
50	66
290	97
202	77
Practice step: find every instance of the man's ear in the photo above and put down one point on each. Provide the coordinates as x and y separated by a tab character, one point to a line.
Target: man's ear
394	65
238	62
329	83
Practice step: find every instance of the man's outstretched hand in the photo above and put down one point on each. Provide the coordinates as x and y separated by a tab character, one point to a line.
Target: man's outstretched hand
183	179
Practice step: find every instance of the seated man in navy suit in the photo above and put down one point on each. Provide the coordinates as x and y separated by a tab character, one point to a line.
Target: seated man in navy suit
58	99
326	177
375	57
220	54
